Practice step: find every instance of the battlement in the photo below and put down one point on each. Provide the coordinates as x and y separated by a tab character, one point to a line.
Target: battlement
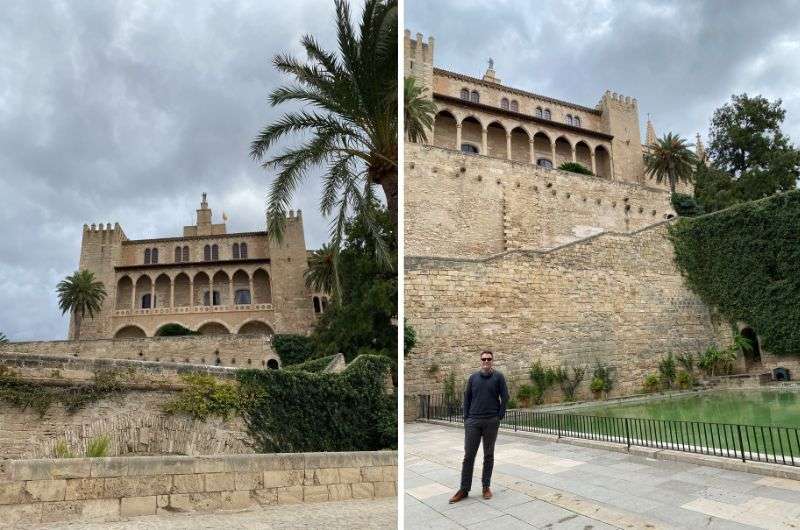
295	215
618	99
101	227
420	51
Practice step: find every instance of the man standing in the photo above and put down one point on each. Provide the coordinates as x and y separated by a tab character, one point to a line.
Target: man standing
484	406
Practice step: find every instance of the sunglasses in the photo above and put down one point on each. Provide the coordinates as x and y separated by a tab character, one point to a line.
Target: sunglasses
486	360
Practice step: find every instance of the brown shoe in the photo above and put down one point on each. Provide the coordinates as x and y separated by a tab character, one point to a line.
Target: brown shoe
459	496
487	493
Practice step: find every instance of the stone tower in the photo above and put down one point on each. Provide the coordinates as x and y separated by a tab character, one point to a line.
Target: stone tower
101	249
288	262
620	118
419	60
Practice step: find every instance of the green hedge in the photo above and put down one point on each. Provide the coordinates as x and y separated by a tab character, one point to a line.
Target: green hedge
745	261
293	349
298	411
314	365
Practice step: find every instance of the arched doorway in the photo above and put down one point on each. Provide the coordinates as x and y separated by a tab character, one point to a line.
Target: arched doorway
752	356
272	364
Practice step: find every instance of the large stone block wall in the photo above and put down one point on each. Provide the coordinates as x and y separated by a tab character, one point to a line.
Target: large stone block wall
244	351
132	419
107	489
616	298
461	205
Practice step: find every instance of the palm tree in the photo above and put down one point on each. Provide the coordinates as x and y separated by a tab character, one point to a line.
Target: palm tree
322	274
670	159
79	294
353	124
419	111
3	338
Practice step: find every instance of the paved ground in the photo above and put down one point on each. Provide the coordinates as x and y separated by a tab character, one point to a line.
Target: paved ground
374	514
541	484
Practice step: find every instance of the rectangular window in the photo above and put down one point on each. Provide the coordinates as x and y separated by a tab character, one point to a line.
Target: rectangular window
243	297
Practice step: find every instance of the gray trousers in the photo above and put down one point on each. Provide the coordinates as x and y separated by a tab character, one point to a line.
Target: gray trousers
474	430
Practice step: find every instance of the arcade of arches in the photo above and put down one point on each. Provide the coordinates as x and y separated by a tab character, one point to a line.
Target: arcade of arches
542	147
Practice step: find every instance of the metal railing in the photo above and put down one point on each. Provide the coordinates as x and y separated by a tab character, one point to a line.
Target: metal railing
776	445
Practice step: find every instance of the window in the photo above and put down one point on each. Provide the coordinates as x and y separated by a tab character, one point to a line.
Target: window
243	251
544	162
539	112
504	103
469	149
207	298
178	254
207	253
317	306
214	252
547	114
569	119
147	256
242	297
154	255
146	301
475	97
576	121
465	94
236	251
514	105
185	253
324	303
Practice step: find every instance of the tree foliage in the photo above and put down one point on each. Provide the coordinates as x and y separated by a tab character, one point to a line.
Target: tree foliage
745	261
174	330
352	122
322	274
293	349
79	294
575	167
747	143
670	160
419	111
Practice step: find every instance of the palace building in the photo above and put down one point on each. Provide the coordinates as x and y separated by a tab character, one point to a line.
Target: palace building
207	280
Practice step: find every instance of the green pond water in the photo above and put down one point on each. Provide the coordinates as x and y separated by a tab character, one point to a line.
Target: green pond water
747	407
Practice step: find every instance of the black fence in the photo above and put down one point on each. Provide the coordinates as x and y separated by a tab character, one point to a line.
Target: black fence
776	445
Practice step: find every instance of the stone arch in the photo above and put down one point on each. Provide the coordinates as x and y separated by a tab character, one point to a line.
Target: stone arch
222	285
144	289
444	130
563	151
124	293
158	329
583	154
520	144
272	364
471	133
262	291
602	162
130	331
213	327
752	358
201	286
256	327
240	286
182	290
163	287
496	140
542	147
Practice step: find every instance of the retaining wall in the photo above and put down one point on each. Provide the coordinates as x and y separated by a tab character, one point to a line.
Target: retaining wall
107	489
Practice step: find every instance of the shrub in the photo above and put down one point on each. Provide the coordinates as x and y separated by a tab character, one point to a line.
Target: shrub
512	403
61	450
409	339
652	383
524	395
204	395
568	379
684	380
98	447
575	167
687	361
314	365
542	379
685	205
745	262
449	388
666	369
714	361
174	330
297	411
601	378
293	349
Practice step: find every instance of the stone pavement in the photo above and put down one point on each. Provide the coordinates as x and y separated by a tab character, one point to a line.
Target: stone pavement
541	484
371	514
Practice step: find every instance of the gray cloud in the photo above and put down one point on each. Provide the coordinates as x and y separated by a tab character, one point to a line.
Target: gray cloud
681	60
125	112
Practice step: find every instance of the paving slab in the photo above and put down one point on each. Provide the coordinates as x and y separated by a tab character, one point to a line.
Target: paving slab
542	484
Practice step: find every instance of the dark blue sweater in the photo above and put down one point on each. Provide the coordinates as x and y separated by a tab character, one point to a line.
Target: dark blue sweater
486	396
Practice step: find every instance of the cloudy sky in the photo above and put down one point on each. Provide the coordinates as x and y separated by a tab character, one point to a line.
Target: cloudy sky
126	111
681	60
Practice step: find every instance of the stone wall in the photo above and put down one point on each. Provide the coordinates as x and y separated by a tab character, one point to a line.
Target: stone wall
107	489
132	419
245	351
612	297
461	205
